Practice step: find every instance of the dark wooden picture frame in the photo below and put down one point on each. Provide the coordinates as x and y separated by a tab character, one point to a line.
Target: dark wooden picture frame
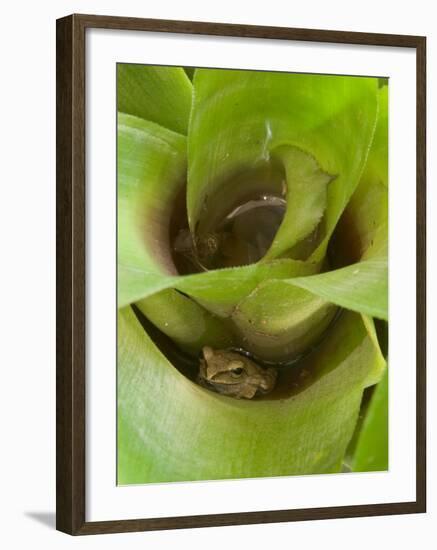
71	280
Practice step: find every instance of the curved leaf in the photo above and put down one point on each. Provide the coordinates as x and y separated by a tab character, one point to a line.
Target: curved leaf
377	163
305	137
306	200
151	167
369	323
371	452
362	232
240	117
151	170
220	291
170	429
157	94
361	287
278	322
185	322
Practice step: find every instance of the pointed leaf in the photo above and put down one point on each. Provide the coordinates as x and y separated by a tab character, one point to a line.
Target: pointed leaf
220	291
371	453
306	200
361	287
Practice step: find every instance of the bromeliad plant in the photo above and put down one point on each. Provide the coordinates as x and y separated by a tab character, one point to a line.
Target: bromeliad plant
252	215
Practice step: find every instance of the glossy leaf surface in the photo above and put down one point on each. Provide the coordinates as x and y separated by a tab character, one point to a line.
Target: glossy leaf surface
171	429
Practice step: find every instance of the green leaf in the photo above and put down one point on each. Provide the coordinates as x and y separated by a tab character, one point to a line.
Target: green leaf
306	200
151	168
377	163
362	232
369	323
171	429
157	94
278	322
220	291
187	323
371	452
302	137
239	118
190	72
361	287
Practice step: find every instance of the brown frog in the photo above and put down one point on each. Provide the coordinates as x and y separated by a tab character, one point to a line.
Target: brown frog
236	375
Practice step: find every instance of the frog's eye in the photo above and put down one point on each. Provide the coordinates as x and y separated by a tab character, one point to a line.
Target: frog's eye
236	373
236	369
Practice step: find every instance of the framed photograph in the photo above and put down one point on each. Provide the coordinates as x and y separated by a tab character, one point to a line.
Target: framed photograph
240	274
